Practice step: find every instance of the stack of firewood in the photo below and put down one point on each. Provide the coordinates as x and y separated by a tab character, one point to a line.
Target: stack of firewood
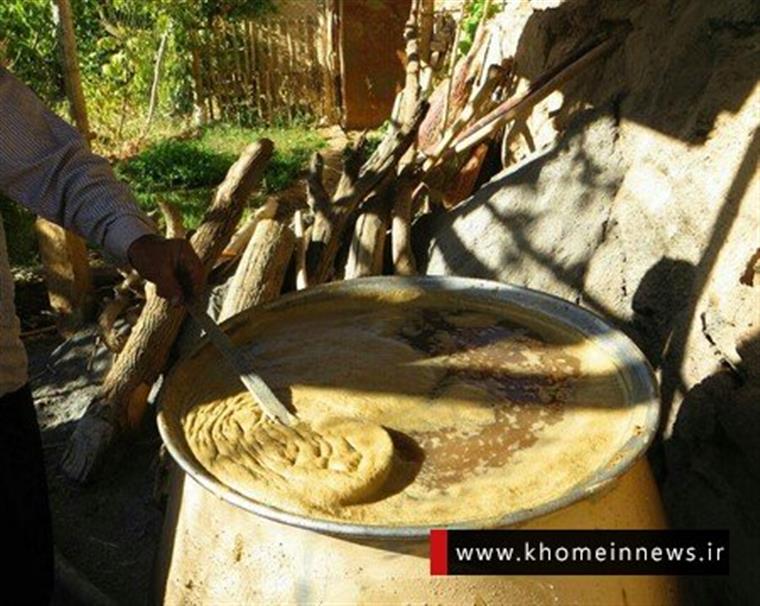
444	121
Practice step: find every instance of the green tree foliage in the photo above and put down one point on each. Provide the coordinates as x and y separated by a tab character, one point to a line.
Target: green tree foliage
28	44
470	20
117	42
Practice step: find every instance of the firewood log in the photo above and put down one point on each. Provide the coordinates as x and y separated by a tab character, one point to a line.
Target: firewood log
365	255
303	236
319	201
147	351
261	271
242	235
345	202
404	263
123	298
449	97
175	226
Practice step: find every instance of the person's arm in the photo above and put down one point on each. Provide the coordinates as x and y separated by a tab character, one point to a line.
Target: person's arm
46	166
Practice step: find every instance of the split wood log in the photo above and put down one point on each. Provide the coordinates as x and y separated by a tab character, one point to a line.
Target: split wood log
323	206
346	201
354	157
261	272
426	19
477	103
449	97
175	226
411	94
242	236
147	351
303	236
319	202
464	181
404	262
366	252
449	83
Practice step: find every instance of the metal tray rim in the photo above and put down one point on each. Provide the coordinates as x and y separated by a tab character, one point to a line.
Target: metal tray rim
641	377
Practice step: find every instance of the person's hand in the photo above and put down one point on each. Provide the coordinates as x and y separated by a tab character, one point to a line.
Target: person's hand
171	264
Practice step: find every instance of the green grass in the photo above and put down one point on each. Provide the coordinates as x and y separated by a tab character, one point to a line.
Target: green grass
184	172
293	147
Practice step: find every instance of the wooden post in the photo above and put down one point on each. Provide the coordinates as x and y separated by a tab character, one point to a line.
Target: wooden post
328	33
63	254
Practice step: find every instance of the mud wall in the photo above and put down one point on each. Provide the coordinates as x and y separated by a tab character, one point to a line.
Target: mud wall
634	191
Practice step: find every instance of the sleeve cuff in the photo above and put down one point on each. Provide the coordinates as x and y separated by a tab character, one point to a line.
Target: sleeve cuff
122	233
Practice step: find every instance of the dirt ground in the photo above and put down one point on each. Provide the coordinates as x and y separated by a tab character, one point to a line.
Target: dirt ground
106	532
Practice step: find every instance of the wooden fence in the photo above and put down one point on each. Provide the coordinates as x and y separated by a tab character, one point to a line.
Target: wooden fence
279	68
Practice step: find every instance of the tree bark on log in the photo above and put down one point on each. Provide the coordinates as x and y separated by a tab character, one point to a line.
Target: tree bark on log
147	351
243	234
124	294
383	161
426	18
175	226
365	255
319	202
261	272
404	263
412	83
303	236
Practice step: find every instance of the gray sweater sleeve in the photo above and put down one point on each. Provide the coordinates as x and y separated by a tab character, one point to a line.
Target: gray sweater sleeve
46	166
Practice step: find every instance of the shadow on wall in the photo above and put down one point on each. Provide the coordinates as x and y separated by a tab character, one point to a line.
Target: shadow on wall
682	64
713	478
670	62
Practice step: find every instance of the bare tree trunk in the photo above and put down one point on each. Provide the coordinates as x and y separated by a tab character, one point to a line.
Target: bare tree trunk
156	82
